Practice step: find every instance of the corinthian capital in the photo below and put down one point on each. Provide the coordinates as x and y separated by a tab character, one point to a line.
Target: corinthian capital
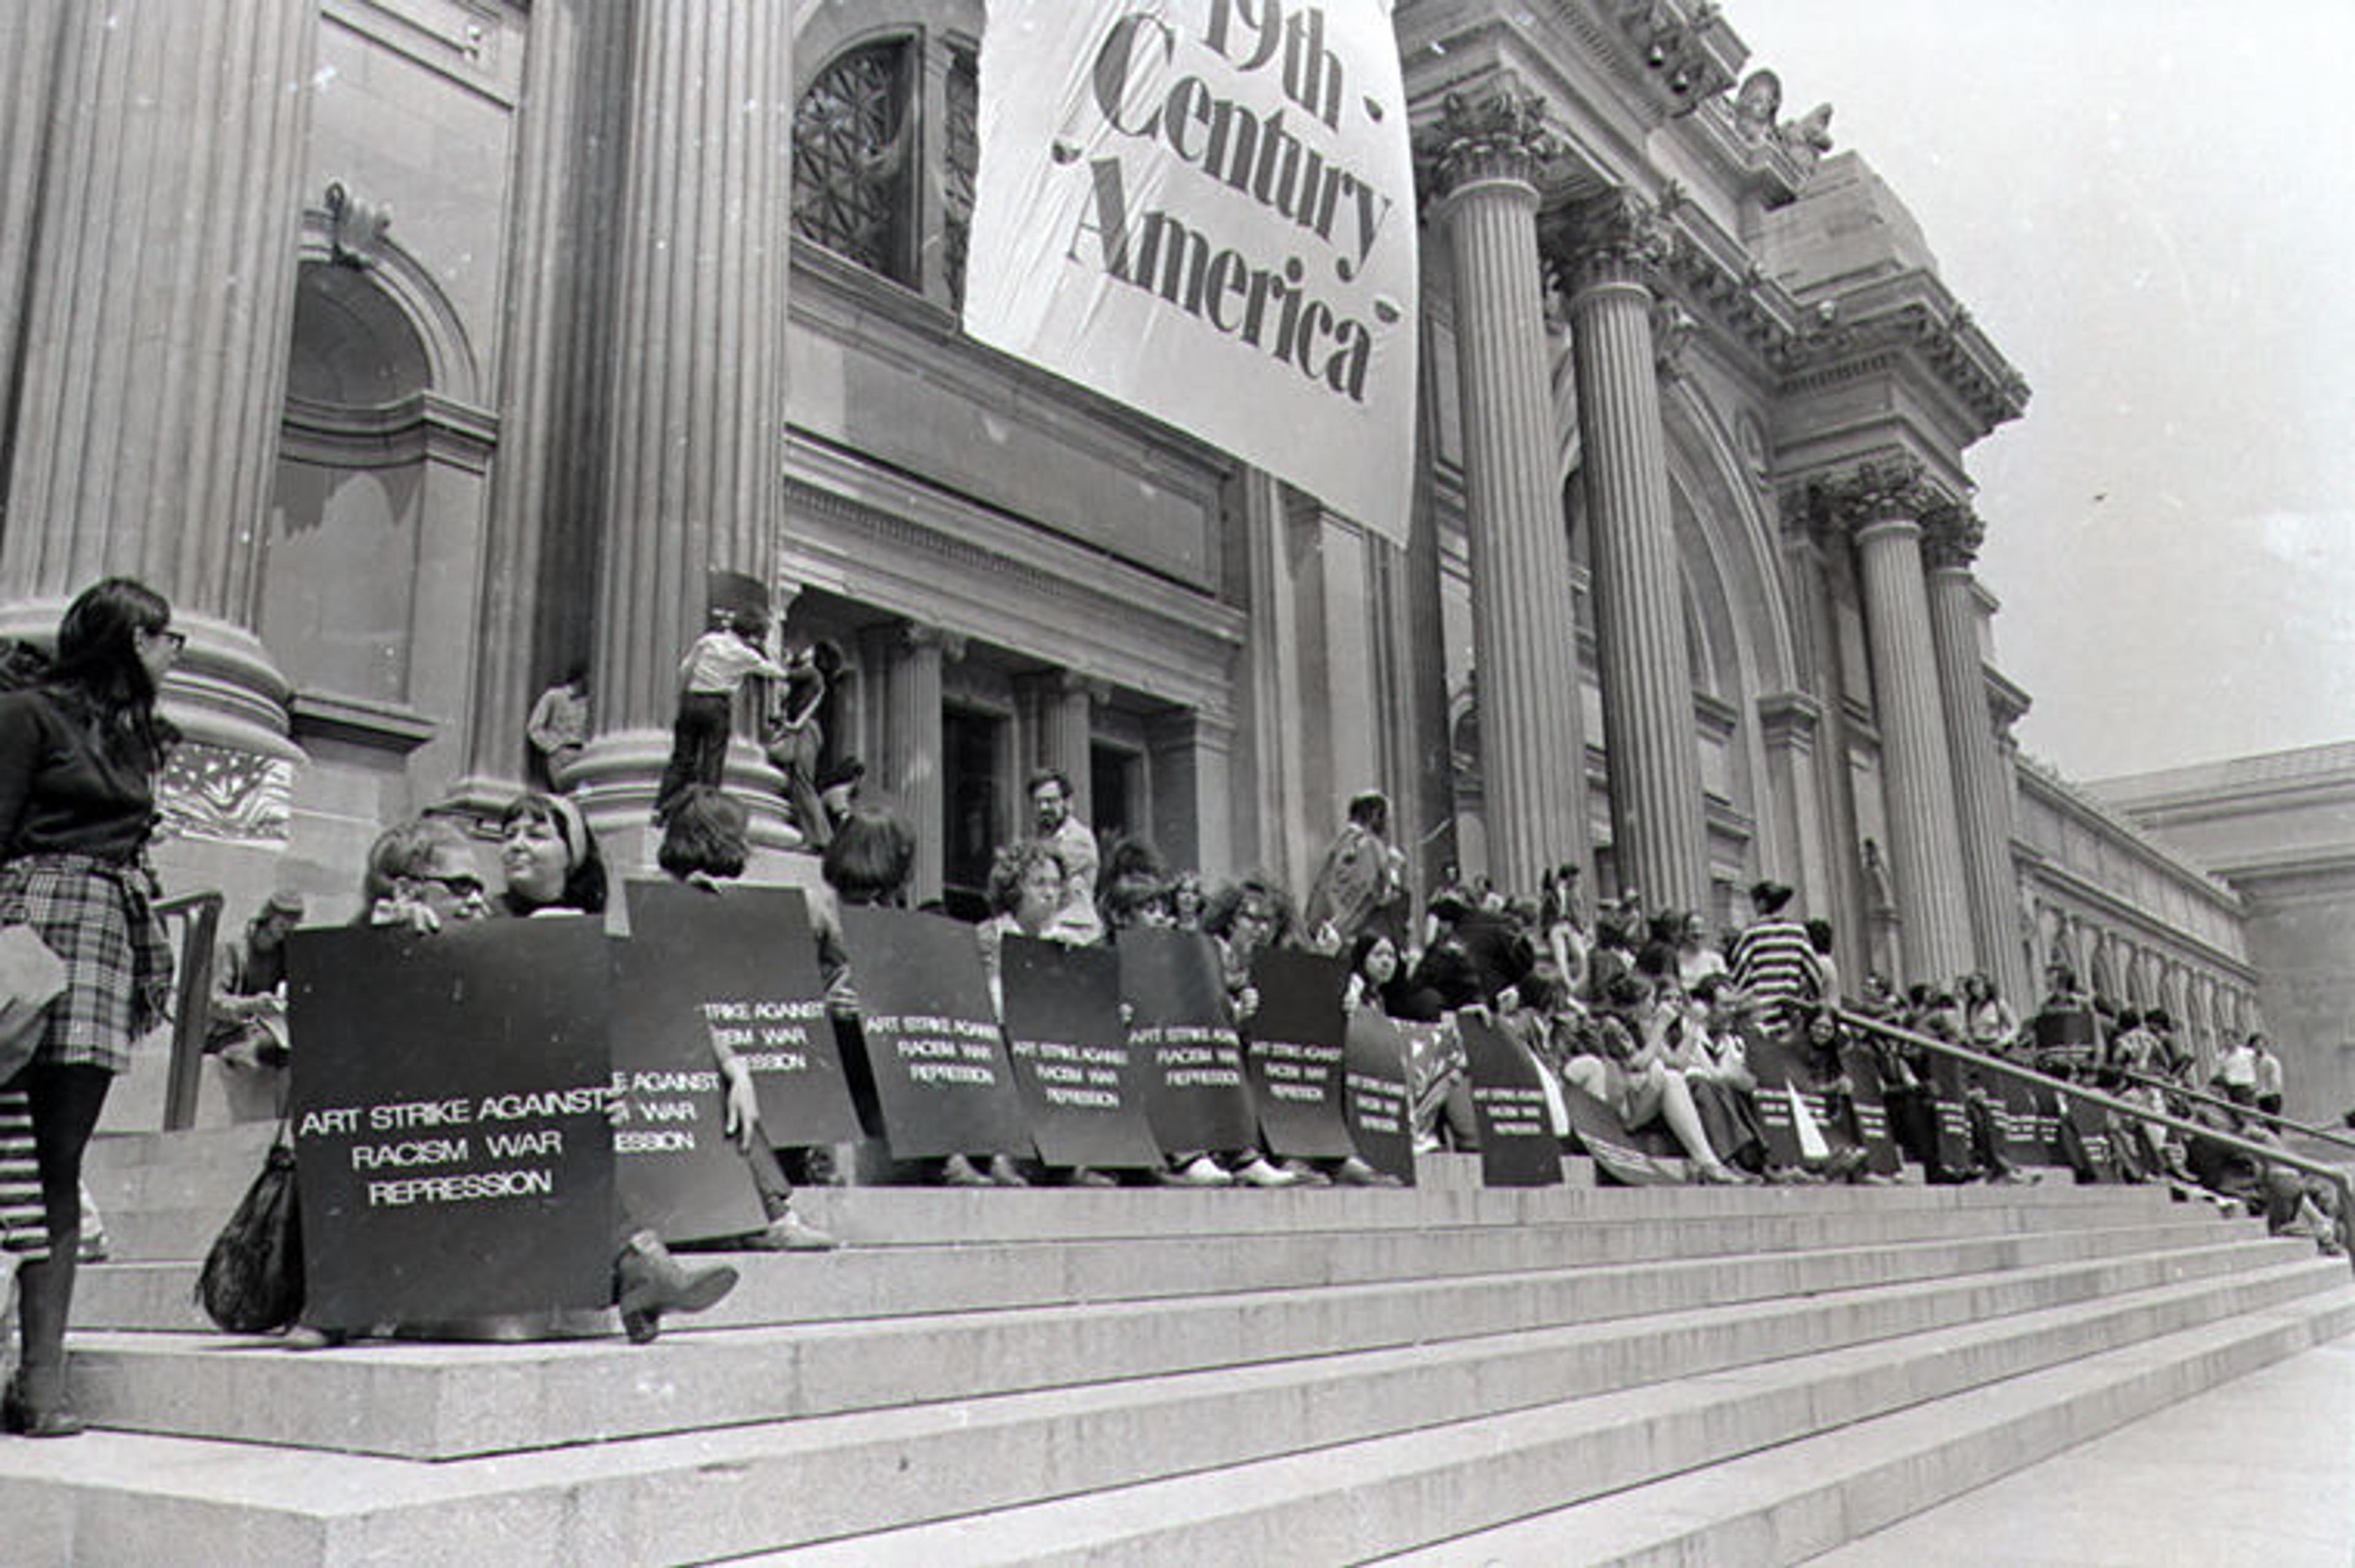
1875	490
1951	536
1495	132
1617	237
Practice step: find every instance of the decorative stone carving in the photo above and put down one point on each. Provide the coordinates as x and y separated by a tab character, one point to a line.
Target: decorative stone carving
1675	49
1757	104
1672	331
1497	134
1617	237
356	229
1951	536
1875	490
1812	131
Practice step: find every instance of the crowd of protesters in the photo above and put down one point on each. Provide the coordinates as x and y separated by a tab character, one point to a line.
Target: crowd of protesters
1707	1041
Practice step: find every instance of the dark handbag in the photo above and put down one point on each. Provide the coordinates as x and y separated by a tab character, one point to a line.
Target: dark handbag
252	1278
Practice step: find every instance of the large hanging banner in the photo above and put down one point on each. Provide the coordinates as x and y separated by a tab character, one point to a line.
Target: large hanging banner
1205	208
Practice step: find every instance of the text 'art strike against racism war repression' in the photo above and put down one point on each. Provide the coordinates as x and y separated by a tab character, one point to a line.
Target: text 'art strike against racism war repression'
516	1093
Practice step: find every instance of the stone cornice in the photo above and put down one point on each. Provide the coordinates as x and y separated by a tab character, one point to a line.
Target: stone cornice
941	560
1912	313
1496	132
1724	283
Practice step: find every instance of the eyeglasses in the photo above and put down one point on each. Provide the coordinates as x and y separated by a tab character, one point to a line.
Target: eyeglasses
172	634
464	886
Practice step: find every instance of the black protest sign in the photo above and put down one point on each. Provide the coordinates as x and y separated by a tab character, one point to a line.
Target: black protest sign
1517	1145
448	1110
1882	1156
1777	1072
2048	1123
930	1035
1180	1028
679	1173
2085	1134
2023	1142
738	968
1374	1094
1293	1047
1950	1117
1081	1083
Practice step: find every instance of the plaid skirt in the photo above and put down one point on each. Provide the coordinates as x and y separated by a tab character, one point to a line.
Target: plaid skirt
23	1219
96	918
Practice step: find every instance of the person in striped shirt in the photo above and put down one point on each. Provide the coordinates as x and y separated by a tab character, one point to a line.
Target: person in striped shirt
1773	961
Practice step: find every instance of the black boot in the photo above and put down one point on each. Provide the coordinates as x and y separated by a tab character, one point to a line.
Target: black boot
649	1282
34	1405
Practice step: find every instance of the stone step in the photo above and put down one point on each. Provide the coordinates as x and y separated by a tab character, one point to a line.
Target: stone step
443	1401
866	1281
137	1499
1790	1503
1353	1502
160	1222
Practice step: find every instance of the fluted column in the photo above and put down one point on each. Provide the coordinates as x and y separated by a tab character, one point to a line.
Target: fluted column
909	774
1984	803
1483	159
29	31
695	459
1883	503
159	290
1056	708
546	481
1657	832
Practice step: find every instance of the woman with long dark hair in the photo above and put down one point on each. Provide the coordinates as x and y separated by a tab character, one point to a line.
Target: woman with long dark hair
79	756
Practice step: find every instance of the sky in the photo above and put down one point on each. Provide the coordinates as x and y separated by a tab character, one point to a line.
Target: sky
2149	207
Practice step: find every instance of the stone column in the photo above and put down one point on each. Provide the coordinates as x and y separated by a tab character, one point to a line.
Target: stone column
1984	816
1882	503
695	461
909	773
547	480
29	32
1193	800
1658	835
159	298
1483	159
1055	708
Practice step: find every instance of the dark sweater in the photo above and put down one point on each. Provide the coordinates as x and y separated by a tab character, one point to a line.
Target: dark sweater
60	790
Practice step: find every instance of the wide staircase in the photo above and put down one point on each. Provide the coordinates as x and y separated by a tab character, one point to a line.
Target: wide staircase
1446	1374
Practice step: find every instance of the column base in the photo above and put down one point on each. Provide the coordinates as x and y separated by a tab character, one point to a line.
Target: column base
616	777
225	691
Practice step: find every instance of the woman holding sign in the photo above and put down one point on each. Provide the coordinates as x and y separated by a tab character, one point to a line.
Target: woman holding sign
78	756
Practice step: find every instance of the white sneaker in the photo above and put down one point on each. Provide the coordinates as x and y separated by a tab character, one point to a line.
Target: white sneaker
1260	1173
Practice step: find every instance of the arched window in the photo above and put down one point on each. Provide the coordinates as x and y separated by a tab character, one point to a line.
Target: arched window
885	152
852	131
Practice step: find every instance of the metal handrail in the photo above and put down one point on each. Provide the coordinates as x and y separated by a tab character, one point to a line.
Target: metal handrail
2251	1113
192	1002
2338	1175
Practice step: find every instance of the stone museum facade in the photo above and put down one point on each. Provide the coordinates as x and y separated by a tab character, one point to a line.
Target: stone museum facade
418	350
